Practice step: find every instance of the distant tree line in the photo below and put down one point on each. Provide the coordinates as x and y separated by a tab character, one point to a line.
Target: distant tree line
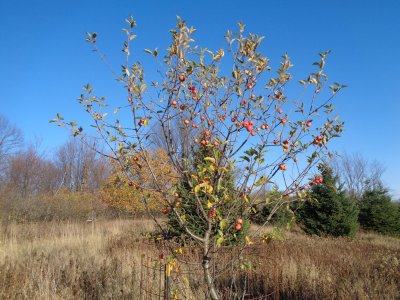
37	184
75	180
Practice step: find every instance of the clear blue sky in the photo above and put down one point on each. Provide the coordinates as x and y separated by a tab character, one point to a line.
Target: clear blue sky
44	60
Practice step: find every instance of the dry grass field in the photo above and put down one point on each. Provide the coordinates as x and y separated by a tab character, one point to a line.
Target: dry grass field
79	261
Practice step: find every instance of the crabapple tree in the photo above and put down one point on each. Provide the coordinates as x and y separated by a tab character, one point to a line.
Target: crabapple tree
225	103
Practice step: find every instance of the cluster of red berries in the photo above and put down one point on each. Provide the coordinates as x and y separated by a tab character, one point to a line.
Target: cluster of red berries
283	167
193	91
239	223
249	127
235	118
318	179
206	139
141	122
318	140
205	142
278	95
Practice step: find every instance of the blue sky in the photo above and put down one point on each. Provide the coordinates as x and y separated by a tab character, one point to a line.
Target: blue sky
44	60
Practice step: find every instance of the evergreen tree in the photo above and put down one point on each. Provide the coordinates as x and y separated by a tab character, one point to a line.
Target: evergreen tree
328	211
378	212
189	207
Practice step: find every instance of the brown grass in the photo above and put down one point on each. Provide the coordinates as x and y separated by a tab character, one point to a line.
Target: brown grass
79	261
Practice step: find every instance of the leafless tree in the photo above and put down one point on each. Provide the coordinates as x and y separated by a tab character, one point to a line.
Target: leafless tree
81	168
29	173
10	140
357	174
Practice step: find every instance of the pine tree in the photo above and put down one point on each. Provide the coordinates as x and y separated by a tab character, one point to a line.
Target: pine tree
328	211
379	213
188	206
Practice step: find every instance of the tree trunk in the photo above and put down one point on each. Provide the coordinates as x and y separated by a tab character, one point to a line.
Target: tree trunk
206	266
208	278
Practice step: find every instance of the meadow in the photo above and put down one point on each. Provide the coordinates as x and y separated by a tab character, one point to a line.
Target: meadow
77	260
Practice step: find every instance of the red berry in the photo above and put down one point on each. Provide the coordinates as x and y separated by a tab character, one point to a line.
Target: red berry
282	167
211	213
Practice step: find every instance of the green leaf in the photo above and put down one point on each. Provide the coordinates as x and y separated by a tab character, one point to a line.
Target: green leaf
245	158
260	181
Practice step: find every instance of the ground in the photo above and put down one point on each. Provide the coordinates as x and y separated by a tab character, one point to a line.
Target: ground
73	260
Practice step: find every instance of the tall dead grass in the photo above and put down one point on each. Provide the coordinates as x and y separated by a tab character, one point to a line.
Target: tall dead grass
65	260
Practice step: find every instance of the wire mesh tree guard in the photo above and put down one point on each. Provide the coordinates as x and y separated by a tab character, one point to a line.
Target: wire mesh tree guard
181	276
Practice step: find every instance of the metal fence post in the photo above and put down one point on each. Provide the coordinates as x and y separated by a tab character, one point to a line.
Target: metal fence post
167	274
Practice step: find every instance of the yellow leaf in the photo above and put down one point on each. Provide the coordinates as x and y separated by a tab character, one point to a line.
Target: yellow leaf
169	269
210	159
248	240
223	223
205	186
246	198
179	251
